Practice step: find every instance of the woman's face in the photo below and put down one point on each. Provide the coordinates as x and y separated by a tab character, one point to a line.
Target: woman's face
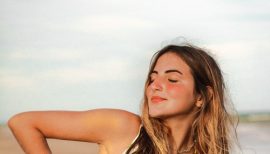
171	89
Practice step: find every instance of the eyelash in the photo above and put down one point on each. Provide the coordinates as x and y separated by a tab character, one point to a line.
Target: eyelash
173	81
150	81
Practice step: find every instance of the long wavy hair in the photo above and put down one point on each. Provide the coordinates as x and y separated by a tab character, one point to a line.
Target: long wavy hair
214	126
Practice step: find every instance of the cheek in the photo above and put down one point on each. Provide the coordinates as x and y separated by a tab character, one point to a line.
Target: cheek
179	92
174	90
148	92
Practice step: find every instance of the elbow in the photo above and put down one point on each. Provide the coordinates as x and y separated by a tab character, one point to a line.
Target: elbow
16	121
13	121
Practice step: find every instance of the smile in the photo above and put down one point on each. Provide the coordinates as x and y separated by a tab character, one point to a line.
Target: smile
157	99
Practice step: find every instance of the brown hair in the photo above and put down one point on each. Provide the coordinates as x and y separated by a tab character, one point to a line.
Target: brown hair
213	127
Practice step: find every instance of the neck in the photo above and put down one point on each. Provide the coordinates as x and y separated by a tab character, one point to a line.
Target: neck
180	131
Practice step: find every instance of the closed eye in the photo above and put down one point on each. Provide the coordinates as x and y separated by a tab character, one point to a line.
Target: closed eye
173	81
151	80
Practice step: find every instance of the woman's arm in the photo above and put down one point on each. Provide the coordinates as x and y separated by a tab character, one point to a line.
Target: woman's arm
32	128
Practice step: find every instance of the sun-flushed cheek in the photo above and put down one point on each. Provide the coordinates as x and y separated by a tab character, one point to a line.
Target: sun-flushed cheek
173	90
180	95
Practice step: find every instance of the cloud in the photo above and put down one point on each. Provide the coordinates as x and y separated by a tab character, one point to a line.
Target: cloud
239	49
44	55
109	24
107	69
13	81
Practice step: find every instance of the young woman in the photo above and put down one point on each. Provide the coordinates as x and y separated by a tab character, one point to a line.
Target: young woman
184	112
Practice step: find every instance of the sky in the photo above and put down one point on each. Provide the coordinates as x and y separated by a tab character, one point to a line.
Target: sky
85	54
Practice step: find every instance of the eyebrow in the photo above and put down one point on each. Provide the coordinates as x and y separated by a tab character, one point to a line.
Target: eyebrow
168	71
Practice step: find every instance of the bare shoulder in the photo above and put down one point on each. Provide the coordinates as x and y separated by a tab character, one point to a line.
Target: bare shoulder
117	120
122	127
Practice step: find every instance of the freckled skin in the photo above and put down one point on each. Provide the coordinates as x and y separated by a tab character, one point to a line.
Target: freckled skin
180	98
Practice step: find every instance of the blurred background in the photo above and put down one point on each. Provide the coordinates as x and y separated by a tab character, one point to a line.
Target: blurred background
82	55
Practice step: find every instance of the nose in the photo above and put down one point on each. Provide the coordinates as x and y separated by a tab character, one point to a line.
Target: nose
156	85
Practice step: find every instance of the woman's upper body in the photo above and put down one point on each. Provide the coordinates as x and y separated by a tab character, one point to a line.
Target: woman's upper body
184	111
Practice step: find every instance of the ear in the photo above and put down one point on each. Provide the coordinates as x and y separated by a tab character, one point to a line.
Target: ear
210	93
199	101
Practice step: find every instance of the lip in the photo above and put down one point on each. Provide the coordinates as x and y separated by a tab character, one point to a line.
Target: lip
157	99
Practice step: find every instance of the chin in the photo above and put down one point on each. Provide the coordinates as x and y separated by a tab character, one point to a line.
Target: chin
155	115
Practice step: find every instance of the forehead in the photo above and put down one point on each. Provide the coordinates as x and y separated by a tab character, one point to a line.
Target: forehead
171	60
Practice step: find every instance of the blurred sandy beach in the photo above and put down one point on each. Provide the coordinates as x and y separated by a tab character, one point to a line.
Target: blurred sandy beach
254	139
